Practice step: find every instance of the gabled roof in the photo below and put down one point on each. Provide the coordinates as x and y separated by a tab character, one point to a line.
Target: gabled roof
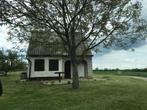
48	44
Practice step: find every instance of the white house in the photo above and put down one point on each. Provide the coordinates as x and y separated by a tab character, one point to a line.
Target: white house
46	55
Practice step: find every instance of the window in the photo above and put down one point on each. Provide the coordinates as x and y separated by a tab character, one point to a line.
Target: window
39	65
53	65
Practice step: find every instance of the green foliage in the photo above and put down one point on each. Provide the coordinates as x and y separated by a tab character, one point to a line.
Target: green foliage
10	61
107	92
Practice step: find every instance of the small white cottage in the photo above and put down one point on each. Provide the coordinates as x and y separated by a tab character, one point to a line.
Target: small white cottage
46	55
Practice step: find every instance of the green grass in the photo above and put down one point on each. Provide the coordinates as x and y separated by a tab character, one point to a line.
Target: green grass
121	73
108	92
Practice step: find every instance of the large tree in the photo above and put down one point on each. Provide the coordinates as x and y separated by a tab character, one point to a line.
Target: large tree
99	22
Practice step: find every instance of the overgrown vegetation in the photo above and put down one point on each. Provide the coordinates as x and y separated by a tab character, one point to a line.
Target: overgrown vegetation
104	92
11	61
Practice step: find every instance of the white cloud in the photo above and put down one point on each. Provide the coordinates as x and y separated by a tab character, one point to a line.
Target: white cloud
3	38
122	59
4	43
144	3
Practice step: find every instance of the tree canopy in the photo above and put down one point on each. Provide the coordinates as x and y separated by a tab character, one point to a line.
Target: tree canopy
100	23
11	61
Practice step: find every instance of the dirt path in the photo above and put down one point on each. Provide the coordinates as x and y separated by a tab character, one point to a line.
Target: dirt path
136	77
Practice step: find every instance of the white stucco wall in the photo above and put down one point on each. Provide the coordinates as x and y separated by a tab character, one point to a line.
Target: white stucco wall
46	72
85	69
89	66
81	70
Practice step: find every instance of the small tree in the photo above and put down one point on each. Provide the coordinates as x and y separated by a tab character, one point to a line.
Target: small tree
101	23
11	61
15	61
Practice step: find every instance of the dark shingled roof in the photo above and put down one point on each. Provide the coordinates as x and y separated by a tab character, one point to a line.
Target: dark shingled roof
48	44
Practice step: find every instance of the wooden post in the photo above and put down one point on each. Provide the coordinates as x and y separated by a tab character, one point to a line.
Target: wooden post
59	77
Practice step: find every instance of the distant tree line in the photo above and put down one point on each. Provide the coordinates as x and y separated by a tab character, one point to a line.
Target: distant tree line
117	69
11	61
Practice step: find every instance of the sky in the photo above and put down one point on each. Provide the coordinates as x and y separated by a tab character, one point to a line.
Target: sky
123	59
112	59
3	38
5	43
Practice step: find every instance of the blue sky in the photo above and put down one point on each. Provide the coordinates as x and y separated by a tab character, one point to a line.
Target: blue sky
122	59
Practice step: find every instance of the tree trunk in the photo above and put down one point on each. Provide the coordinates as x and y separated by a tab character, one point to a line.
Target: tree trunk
75	76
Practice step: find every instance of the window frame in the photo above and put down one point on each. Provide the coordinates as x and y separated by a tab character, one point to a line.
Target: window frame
55	66
42	67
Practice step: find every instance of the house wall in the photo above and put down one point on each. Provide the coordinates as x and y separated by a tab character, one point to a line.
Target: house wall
89	66
81	70
45	73
84	68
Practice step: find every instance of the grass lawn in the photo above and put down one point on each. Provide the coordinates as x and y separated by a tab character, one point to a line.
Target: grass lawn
108	92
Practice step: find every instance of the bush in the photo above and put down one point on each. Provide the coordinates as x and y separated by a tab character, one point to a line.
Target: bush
3	73
1	89
23	75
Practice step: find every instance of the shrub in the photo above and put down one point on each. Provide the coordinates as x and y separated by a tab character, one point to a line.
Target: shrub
3	73
23	75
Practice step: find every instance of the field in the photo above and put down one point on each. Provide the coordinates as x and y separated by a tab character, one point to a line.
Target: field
106	91
122	73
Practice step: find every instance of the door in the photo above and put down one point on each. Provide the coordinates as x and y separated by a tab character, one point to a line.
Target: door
67	69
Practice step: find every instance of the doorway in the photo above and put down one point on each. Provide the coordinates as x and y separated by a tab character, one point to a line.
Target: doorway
67	70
